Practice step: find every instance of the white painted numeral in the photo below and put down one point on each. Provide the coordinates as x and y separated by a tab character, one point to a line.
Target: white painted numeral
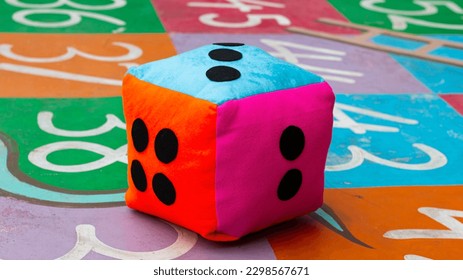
45	122
359	155
56	74
413	257
58	3
75	17
400	19
446	217
238	4
88	242
133	52
429	7
342	120
402	22
283	50
252	20
371	5
451	5
38	157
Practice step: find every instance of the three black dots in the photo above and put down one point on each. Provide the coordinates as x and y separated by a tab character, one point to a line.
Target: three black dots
166	149
292	142
224	73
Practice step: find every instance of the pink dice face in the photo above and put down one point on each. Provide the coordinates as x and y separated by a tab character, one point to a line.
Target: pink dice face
271	154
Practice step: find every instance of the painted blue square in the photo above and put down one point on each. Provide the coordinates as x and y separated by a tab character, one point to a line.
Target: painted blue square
399	140
439	77
397	42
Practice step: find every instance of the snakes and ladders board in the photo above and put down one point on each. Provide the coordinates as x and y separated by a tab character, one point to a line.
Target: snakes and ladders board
393	177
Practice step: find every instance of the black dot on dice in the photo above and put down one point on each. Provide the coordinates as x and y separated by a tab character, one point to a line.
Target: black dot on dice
164	189
166	145
138	176
139	135
292	142
229	44
225	55
222	74
290	184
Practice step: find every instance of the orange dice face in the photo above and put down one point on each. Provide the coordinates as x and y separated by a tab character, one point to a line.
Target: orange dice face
171	155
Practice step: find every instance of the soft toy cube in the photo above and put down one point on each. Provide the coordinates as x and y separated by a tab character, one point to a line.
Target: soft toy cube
226	139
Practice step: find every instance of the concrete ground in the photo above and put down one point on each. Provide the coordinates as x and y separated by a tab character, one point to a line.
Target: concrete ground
393	176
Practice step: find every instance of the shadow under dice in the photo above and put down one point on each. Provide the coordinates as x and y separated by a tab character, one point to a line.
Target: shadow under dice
226	140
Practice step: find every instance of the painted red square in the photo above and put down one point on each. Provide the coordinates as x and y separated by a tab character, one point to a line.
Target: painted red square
268	16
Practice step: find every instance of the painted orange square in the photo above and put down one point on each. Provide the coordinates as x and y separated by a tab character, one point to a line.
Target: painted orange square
74	65
379	223
191	172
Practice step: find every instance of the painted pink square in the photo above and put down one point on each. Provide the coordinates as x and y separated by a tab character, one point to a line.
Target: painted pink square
251	163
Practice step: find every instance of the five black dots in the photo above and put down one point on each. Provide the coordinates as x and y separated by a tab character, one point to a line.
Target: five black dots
166	150
224	73
292	142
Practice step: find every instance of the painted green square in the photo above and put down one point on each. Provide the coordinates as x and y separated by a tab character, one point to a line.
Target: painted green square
70	144
83	16
411	16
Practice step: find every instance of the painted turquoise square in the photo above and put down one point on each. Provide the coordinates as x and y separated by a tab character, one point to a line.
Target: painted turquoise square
398	140
438	77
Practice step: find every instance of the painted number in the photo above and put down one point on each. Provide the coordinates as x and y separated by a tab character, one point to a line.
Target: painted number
39	156
342	120
298	53
402	22
44	120
446	217
88	242
253	20
359	155
244	6
74	16
114	5
428	7
132	52
400	19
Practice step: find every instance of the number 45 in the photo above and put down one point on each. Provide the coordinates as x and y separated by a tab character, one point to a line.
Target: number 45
253	20
244	6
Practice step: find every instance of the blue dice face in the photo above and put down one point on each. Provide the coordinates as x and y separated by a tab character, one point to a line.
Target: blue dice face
224	71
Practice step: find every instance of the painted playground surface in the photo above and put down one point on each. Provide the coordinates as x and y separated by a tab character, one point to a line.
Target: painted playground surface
394	178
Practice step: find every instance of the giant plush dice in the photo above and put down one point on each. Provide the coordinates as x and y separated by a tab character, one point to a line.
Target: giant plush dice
226	139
